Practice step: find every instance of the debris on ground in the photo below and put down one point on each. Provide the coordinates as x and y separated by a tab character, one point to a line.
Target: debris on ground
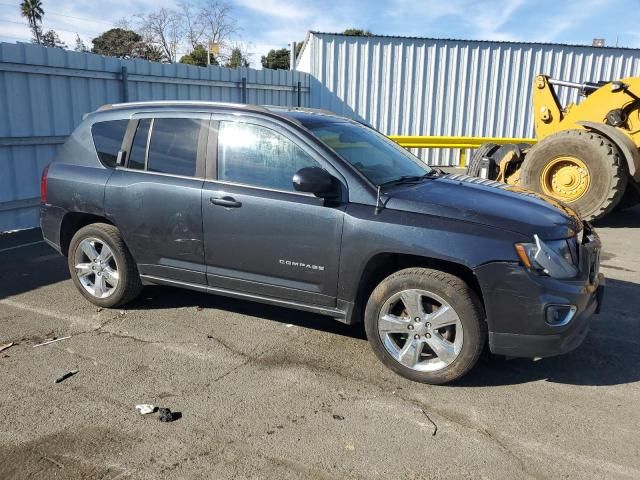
435	427
8	345
338	417
51	341
67	375
146	408
55	462
166	415
99	309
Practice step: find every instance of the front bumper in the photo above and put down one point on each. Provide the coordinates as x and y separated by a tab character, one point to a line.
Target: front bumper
516	301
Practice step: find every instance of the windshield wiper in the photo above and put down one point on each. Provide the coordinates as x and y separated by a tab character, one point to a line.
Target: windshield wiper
406	179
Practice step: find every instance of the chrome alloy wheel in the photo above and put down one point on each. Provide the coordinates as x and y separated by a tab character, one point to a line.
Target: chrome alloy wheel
96	267
420	330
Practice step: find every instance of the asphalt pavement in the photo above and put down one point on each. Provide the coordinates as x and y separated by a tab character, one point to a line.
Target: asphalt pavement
266	392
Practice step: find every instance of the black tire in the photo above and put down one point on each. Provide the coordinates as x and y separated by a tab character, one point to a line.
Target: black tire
128	286
607	171
457	294
485	150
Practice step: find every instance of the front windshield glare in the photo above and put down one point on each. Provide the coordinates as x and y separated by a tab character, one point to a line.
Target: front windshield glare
378	158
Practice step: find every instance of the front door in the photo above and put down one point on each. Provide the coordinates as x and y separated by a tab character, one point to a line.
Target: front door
261	236
155	200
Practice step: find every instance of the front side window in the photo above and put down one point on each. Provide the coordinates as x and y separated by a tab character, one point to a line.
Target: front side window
256	155
107	138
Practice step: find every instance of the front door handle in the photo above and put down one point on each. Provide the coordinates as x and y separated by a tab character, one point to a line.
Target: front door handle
226	201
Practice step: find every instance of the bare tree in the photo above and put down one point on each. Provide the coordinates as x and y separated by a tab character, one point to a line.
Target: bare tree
163	28
219	24
192	23
124	23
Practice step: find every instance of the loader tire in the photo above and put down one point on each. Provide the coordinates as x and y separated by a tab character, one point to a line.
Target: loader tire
582	169
485	150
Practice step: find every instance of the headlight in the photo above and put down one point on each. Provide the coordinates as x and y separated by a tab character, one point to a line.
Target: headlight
556	258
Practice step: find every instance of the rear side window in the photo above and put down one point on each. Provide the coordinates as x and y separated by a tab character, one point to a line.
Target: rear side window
174	146
107	138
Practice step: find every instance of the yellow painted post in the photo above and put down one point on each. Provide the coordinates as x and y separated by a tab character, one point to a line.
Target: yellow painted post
463	158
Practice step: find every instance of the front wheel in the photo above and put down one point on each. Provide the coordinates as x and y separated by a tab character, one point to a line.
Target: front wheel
101	266
425	325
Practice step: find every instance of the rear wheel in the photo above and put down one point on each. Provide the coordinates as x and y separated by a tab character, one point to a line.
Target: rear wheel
580	168
101	266
425	325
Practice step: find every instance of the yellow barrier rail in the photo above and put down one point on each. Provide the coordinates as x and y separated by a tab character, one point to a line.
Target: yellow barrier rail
460	143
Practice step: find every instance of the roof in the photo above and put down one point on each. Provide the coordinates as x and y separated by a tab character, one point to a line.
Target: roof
433	39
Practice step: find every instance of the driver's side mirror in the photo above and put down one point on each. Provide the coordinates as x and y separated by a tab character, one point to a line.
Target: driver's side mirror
314	180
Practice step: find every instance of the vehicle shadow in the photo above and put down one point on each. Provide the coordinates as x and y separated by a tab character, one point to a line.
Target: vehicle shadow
621	219
160	297
609	356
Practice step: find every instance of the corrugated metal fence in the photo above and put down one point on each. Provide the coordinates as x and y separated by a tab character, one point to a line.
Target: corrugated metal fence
420	86
45	91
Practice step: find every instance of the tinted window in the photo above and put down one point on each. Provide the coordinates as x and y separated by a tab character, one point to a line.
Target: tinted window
259	156
107	137
139	146
174	146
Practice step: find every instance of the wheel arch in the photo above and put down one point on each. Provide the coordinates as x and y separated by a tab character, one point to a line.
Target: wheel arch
383	264
629	150
74	221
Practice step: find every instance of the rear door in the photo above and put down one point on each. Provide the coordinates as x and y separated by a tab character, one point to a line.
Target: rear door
155	199
261	236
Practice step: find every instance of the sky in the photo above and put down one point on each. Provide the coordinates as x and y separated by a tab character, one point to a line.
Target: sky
266	24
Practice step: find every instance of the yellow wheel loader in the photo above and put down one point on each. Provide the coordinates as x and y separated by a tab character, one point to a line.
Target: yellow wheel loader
586	155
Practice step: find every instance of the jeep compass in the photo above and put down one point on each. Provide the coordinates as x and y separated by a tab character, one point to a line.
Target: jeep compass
309	210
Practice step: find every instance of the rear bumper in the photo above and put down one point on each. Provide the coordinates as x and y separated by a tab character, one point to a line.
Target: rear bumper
516	302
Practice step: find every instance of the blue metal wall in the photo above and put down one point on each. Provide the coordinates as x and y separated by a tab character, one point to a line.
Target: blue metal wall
422	86
45	91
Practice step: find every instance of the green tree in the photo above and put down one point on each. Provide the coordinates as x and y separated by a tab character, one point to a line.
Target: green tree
279	59
237	59
118	42
51	39
357	32
198	57
32	10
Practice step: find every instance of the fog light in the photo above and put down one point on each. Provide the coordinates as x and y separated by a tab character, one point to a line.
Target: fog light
560	315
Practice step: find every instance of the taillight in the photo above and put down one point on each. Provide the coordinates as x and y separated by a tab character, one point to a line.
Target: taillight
43	185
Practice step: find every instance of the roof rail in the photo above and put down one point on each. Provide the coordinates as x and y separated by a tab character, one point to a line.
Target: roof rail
180	103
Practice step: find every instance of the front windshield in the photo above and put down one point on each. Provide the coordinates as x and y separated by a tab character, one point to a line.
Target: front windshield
378	158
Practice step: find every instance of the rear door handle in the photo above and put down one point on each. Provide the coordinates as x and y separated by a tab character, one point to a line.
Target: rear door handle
226	201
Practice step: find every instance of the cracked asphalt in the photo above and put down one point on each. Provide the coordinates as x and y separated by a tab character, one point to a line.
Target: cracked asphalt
266	392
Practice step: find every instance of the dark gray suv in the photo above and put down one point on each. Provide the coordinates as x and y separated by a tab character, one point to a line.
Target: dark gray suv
310	210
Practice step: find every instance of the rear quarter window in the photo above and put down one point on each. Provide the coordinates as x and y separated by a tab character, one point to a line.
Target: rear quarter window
107	138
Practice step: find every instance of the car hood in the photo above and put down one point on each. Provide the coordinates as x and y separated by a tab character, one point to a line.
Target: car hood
486	202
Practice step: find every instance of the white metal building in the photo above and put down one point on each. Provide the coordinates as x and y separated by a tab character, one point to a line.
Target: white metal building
426	86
